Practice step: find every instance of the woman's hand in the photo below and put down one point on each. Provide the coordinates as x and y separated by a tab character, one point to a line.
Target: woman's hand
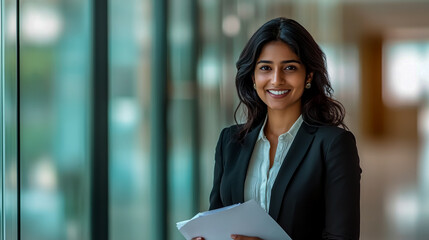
233	236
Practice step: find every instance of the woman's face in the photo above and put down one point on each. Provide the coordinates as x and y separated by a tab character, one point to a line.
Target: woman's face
280	77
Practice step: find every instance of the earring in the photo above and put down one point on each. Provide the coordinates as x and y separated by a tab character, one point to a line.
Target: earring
308	85
254	86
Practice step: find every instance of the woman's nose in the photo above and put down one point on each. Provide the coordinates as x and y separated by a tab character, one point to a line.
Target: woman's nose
277	78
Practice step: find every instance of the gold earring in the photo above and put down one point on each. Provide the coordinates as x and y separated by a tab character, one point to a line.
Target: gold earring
308	85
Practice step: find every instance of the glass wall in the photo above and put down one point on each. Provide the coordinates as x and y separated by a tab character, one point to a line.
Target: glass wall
182	112
55	86
209	70
130	71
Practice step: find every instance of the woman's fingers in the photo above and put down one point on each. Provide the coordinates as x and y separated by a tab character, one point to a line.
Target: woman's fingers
198	238
241	237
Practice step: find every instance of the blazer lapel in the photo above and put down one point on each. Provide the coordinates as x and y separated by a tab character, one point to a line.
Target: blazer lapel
295	155
243	163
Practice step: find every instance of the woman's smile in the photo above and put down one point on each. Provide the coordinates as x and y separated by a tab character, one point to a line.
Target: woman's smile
278	93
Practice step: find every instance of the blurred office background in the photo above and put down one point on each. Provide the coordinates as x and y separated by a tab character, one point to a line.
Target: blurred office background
71	170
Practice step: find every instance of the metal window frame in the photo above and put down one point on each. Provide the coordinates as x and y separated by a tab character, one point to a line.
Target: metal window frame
158	120
100	126
10	158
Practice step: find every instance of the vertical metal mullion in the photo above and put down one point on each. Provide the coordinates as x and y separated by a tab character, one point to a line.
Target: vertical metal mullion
100	99
159	120
10	219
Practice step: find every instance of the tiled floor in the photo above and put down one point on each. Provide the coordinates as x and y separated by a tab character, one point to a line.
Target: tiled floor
394	192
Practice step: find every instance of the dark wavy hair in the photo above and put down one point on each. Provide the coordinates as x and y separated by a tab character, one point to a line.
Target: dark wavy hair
317	105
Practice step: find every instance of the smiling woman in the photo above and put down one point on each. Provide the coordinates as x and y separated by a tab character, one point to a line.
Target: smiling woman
290	155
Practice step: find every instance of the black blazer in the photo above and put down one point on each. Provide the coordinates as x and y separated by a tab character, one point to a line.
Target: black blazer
316	194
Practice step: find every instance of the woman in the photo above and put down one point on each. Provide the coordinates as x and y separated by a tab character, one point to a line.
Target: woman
291	155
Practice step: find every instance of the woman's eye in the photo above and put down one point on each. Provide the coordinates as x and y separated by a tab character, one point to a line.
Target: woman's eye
290	68
265	68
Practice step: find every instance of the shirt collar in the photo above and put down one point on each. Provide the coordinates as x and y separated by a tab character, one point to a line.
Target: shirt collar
292	131
261	135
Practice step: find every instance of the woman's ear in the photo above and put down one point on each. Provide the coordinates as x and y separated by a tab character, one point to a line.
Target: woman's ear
309	77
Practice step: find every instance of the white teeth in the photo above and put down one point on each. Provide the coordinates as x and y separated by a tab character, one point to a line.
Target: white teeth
278	92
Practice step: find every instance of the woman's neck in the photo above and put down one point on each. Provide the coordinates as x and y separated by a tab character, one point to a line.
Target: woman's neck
279	122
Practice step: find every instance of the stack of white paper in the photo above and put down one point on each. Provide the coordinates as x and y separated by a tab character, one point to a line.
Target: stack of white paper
247	219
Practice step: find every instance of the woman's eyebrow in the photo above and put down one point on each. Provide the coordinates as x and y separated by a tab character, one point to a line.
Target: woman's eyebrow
285	61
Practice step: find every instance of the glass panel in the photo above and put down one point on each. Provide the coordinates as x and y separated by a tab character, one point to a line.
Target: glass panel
182	115
55	82
209	77
9	120
129	134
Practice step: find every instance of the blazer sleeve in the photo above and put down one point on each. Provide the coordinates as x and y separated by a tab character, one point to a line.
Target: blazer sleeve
342	188
215	198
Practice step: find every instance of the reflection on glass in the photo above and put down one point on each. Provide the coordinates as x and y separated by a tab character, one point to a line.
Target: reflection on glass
129	134
182	122
55	123
209	77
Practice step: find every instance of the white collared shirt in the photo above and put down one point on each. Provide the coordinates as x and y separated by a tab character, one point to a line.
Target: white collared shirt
260	178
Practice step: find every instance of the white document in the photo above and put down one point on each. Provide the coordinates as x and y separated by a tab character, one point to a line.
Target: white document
247	219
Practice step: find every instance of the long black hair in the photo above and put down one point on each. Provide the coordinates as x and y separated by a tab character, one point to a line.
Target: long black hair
317	105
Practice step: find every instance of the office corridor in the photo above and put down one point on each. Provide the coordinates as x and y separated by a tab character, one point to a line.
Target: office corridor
110	110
